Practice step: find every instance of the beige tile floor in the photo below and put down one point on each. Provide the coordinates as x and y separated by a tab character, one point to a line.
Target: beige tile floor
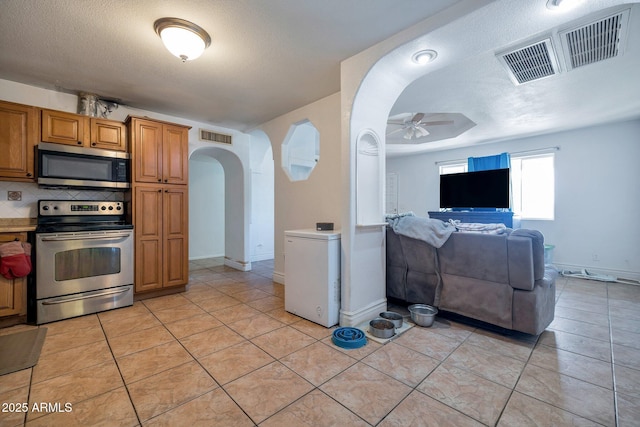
225	353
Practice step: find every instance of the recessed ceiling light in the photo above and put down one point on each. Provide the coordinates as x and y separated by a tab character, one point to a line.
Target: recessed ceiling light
424	56
182	38
561	4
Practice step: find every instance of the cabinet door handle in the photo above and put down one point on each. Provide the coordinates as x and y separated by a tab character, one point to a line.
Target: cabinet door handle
29	174
79	142
93	144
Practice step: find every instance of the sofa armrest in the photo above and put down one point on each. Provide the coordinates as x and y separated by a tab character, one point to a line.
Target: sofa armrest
537	247
520	260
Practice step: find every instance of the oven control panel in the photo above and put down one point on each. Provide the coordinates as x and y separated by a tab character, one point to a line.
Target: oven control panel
78	207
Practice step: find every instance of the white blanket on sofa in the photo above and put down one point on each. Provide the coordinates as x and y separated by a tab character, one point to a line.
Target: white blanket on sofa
433	231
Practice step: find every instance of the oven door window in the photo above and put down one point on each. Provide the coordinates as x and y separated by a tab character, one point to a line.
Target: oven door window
87	262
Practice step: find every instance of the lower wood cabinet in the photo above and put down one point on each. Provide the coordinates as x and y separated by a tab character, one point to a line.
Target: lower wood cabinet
13	292
161	236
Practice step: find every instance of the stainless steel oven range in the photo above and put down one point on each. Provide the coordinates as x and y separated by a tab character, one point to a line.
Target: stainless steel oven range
84	259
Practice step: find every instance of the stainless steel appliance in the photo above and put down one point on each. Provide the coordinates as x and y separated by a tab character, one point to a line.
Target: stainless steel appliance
66	166
84	259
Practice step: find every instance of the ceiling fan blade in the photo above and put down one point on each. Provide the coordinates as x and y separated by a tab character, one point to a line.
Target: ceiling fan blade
395	131
397	122
417	117
437	123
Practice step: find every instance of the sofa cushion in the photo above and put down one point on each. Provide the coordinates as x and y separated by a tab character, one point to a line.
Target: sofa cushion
483	300
478	256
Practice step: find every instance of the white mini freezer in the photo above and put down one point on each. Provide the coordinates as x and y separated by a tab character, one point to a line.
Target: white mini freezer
312	275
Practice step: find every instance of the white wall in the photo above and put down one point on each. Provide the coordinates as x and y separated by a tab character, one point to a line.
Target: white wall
262	197
597	199
206	218
301	204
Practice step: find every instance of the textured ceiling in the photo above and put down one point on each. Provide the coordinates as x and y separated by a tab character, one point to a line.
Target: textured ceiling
479	87
266	58
269	57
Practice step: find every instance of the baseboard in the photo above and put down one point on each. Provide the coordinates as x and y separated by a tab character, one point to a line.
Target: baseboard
620	274
262	257
205	257
278	277
238	265
354	318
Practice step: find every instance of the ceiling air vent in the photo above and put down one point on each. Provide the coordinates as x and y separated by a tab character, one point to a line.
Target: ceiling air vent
532	62
207	135
596	41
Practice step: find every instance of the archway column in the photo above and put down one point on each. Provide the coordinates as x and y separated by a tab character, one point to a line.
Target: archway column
370	84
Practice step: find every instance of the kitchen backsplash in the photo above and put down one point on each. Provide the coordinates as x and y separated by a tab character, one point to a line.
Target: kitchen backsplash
27	207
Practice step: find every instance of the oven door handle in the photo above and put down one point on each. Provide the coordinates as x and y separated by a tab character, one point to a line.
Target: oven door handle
78	298
91	237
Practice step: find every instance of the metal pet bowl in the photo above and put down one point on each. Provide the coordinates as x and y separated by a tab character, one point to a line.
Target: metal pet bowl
393	317
382	328
423	314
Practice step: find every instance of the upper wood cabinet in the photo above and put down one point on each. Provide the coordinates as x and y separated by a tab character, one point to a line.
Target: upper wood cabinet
160	152
74	129
18	134
108	134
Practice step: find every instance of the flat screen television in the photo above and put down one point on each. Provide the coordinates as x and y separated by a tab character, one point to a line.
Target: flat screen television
482	189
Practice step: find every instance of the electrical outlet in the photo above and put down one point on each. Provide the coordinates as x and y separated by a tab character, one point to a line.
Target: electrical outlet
14	196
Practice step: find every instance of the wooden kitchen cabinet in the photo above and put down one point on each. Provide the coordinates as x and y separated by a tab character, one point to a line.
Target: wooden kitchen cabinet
161	236
159	162
108	135
83	131
18	134
159	151
13	292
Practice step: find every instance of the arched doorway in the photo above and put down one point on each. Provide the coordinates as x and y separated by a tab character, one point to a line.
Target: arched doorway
236	202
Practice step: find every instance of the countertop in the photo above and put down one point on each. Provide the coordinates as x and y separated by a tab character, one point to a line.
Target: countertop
17	225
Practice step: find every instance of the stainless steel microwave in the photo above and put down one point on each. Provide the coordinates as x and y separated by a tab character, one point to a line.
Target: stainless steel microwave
61	165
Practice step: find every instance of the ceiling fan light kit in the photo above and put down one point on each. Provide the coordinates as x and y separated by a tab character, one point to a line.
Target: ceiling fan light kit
182	38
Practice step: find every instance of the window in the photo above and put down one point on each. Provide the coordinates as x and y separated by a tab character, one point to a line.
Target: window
300	150
532	184
453	168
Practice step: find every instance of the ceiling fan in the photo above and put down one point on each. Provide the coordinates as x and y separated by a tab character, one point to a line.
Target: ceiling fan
413	126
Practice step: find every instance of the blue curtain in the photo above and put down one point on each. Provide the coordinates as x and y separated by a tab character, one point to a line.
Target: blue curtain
499	161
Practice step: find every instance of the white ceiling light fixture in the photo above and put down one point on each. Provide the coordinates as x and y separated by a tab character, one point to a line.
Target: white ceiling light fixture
182	38
562	4
424	56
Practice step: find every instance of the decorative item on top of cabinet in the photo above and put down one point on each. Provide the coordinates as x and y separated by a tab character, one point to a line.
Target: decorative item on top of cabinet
18	134
159	151
75	129
13	292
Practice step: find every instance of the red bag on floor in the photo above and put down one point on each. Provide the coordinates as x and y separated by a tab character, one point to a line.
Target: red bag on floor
15	259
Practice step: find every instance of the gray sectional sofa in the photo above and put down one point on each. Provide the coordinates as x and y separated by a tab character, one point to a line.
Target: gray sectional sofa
498	279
